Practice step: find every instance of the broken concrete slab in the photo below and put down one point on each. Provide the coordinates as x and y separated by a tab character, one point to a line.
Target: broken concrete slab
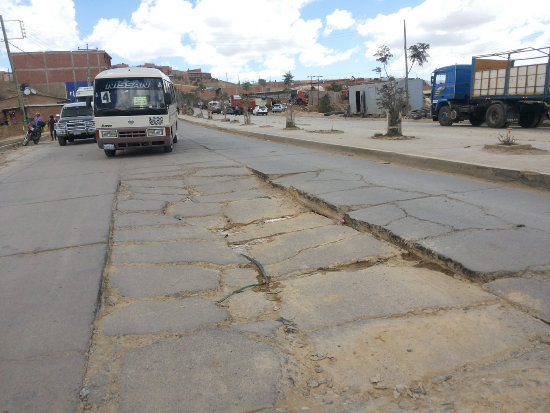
288	245
380	215
367	196
232	196
194	209
413	229
164	233
529	293
135	219
141	205
136	189
331	298
158	197
223	171
155	183
153	317
362	248
198	374
470	249
457	214
156	280
214	252
250	210
405	350
239	184
284	225
261	328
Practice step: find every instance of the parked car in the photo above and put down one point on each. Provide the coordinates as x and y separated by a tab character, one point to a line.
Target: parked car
260	110
277	108
76	122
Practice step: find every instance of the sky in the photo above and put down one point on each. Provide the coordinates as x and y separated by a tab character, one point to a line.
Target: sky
247	40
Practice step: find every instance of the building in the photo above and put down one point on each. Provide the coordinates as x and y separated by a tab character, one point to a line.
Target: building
60	73
362	98
194	75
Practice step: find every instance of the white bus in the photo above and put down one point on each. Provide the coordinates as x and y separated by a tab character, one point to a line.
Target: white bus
134	107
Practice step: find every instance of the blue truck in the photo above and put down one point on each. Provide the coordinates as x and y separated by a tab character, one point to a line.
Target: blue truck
498	89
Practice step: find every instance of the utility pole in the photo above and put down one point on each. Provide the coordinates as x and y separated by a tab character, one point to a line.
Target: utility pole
88	62
318	81
15	81
406	65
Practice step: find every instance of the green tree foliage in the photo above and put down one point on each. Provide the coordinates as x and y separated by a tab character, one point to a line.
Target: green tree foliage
383	55
418	53
324	104
288	79
335	87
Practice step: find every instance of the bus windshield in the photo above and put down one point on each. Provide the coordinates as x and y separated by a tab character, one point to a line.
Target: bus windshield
129	96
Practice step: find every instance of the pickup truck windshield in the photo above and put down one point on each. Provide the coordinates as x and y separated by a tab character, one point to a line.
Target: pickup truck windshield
127	97
74	111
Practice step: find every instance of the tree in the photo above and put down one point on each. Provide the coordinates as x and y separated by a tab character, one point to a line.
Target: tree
418	53
262	82
393	99
288	79
335	87
324	104
246	87
384	55
199	91
378	70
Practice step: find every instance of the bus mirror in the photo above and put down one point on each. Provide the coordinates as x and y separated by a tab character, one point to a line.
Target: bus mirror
167	98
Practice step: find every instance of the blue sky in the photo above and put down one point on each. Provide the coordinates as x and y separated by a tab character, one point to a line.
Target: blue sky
252	39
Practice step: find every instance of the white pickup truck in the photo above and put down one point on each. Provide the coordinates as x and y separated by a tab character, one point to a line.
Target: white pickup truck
76	122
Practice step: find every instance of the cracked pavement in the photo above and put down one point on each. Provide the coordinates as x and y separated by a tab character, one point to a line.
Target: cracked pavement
389	288
347	322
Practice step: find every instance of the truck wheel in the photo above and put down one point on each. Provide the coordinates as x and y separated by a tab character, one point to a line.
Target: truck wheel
495	116
61	140
476	119
444	116
110	152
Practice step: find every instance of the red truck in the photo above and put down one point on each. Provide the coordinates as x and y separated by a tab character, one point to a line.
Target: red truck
238	103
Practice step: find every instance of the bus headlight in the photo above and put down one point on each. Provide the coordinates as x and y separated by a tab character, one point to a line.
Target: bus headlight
155	132
109	134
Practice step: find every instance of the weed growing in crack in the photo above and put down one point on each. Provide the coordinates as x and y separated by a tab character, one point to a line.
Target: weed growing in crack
507	139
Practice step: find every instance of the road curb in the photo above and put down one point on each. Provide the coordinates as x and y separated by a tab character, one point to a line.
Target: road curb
527	178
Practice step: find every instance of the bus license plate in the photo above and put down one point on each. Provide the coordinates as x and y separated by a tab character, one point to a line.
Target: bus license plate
108	146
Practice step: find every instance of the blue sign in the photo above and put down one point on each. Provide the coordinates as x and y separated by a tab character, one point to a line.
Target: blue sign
72	87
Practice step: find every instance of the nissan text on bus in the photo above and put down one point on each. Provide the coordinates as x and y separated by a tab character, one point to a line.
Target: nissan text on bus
134	107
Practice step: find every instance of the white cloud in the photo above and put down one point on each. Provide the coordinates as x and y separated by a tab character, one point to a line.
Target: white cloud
254	38
338	20
57	15
457	30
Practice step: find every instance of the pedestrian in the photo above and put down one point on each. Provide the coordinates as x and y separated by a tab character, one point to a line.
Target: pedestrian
37	118
51	126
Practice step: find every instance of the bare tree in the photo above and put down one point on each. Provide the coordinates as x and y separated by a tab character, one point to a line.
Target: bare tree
289	82
393	99
246	113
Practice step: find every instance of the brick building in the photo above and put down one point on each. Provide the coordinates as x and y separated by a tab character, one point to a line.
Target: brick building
59	73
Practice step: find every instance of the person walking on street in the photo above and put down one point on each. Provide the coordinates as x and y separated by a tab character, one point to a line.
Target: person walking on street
51	127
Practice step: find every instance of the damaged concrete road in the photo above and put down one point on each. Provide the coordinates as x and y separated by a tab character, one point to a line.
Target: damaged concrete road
348	321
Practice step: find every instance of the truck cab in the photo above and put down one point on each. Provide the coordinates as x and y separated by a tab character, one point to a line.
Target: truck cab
450	84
